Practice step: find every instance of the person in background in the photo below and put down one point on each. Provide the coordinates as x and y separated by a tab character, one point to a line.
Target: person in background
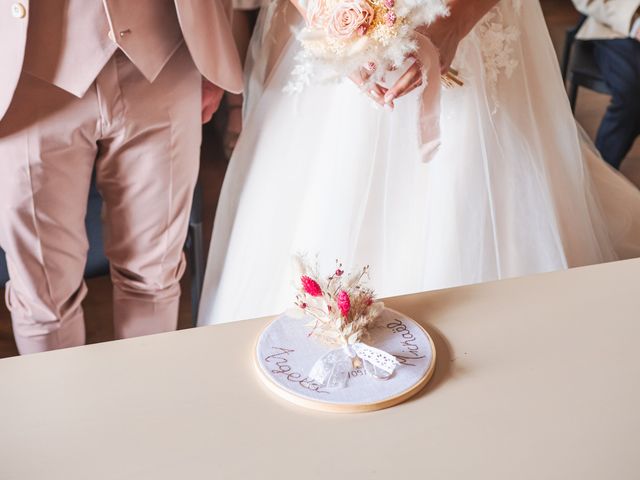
614	28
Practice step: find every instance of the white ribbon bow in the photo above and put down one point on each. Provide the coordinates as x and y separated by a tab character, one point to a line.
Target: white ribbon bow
332	369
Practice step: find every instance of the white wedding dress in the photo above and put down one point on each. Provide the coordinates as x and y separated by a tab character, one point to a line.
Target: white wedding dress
515	189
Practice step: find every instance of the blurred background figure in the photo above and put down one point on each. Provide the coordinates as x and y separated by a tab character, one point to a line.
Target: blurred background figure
614	28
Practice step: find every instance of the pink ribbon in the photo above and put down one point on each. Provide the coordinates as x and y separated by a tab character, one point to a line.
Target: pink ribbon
429	112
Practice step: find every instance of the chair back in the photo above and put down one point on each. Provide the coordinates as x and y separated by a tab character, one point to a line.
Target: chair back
97	262
570	38
4	273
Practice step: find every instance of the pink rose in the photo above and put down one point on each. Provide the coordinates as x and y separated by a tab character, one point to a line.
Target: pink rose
349	16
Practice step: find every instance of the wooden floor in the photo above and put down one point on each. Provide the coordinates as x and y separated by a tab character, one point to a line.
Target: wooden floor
97	306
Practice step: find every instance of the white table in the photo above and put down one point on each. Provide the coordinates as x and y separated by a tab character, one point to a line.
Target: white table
538	378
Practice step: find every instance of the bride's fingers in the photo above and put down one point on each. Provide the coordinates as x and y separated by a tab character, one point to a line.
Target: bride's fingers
404	83
357	79
364	75
367	70
415	85
361	76
376	92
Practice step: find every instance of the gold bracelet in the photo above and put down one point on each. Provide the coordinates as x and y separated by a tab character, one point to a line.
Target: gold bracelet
452	79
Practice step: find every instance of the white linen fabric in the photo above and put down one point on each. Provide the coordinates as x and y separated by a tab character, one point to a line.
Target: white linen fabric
515	189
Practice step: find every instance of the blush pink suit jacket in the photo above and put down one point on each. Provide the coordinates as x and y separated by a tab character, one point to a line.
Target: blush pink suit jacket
204	24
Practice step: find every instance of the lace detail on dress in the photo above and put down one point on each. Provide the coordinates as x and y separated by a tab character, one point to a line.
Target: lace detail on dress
497	40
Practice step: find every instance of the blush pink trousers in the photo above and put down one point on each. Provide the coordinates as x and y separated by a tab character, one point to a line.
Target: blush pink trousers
143	139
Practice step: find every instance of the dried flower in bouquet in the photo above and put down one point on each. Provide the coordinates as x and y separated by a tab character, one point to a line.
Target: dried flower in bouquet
342	307
342	36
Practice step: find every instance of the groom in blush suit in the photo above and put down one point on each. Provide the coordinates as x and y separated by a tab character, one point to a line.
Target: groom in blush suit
120	86
614	28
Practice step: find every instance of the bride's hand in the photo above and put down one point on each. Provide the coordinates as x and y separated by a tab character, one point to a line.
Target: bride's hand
408	81
375	91
445	36
446	33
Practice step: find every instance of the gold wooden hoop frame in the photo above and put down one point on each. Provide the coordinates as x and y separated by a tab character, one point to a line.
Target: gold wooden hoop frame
347	408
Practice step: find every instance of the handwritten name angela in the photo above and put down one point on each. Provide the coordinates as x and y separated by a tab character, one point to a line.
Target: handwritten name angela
409	342
280	360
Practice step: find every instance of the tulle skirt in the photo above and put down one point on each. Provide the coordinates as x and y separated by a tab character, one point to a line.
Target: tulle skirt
515	189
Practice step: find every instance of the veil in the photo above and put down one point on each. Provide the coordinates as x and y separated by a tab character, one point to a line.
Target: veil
520	63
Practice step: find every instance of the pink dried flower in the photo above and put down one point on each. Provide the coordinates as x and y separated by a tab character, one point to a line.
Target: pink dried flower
389	3
344	303
339	273
303	306
311	286
390	18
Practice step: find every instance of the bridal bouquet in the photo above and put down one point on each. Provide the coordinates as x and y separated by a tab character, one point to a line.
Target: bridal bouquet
342	36
342	309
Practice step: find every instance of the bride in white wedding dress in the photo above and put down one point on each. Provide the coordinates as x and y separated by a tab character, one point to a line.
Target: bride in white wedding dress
515	188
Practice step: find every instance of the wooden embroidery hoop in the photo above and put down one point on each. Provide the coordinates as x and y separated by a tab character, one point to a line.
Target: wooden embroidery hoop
352	407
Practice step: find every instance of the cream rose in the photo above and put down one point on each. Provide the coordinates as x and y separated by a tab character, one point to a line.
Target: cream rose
318	14
348	17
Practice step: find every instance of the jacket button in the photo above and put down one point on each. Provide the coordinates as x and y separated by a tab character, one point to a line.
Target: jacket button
18	10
